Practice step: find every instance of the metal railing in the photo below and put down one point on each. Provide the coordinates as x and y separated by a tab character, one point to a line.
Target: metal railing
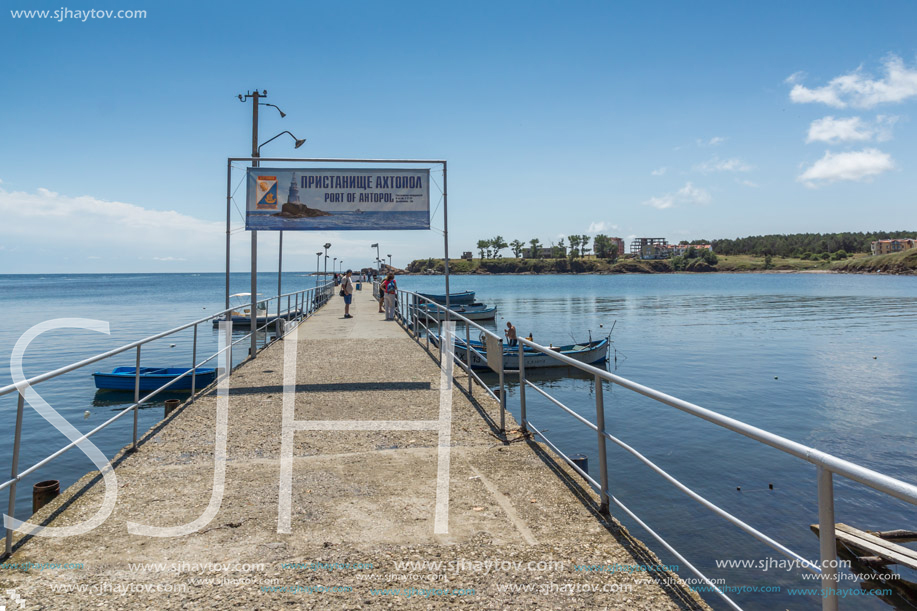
826	466
414	313
300	305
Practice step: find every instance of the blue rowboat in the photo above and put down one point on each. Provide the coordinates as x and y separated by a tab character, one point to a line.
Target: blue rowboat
481	312
152	378
587	352
454	298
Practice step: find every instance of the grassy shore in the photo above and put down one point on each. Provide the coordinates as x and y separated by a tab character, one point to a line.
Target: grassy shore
900	263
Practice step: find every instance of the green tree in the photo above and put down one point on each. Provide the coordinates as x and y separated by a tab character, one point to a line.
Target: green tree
517	246
560	249
498	244
601	244
536	248
613	252
482	247
574	245
709	257
584	247
768	262
691	253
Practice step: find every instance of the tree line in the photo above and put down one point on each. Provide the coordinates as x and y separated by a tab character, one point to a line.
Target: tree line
798	245
580	245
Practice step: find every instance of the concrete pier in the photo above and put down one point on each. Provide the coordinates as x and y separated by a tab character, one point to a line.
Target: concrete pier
365	506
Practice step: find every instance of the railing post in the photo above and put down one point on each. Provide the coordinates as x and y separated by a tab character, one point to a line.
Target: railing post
136	397
603	462
414	318
426	316
253	346
826	542
14	472
502	392
194	364
229	347
468	356
523	426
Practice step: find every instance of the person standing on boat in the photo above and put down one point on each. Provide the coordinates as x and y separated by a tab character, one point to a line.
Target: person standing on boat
347	289
510	334
391	289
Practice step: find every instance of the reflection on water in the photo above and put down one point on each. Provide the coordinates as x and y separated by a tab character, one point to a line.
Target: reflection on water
790	353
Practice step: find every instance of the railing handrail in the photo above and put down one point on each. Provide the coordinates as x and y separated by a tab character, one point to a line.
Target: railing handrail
99	357
826	464
452	313
868	477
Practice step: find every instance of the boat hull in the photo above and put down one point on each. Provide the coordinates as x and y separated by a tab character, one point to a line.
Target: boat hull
246	321
470	313
589	353
152	378
465	297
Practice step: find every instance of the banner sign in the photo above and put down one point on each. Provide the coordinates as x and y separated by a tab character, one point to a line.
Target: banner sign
314	199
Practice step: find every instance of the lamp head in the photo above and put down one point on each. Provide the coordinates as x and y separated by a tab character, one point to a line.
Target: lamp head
282	114
327	244
299	143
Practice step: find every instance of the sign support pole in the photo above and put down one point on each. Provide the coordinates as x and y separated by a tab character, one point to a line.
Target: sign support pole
446	236
228	211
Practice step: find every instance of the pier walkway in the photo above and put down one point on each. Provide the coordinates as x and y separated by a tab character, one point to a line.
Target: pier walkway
366	525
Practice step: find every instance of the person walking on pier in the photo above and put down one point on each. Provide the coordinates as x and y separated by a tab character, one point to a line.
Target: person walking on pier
510	334
390	288
347	291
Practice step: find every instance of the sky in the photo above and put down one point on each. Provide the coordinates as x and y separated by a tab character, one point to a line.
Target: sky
665	119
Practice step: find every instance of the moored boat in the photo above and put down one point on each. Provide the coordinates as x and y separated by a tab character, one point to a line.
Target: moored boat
470	312
587	352
241	312
152	378
465	297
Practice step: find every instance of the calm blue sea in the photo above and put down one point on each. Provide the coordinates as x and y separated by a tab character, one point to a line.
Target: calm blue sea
825	360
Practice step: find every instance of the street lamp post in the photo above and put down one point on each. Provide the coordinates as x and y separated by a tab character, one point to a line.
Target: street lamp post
317	260
325	275
389	260
254	97
378	260
298	143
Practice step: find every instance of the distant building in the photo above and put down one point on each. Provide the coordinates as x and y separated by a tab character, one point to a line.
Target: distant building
619	243
650	248
887	247
679	250
467	255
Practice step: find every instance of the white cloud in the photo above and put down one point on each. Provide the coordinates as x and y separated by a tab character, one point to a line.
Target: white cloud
723	165
50	231
851	129
693	195
715	141
688	194
857	165
600	226
749	183
859	89
659	171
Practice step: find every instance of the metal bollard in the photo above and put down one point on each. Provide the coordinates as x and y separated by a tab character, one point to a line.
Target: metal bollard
43	493
171	406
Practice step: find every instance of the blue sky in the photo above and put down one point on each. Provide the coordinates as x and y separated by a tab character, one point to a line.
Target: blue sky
682	120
